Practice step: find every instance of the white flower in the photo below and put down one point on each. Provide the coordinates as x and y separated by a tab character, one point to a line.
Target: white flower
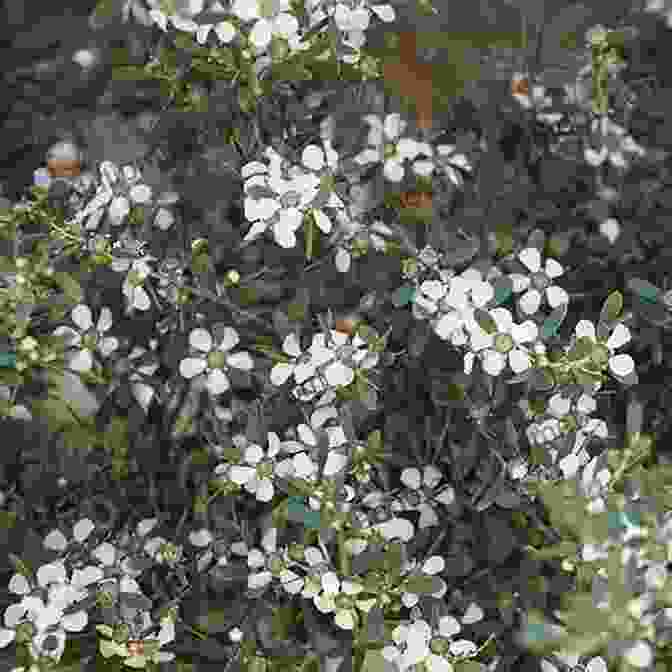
505	346
302	368
620	365
614	144
162	551
216	359
423	484
257	472
385	144
138	271
538	284
56	540
273	19
432	566
448	159
466	292
87	337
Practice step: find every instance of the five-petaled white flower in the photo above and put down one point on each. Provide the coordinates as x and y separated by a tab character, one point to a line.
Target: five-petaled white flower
506	345
538	284
215	360
87	338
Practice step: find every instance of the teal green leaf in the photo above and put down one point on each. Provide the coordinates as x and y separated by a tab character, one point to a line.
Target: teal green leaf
644	290
403	296
503	287
299	513
7	360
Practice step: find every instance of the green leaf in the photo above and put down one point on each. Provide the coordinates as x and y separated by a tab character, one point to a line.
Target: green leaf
423	585
375	662
612	307
582	349
71	288
644	290
403	296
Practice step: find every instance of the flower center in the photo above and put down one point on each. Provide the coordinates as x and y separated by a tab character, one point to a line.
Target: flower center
539	281
503	343
216	359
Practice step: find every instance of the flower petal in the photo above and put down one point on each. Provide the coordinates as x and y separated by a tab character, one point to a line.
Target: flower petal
530	257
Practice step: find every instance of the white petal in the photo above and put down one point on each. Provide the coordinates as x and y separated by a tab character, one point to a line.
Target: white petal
411	478
6	638
584	328
254	454
285	25
140	193
323	222
241	360
493	362
241	475
81	316
621	365
431	476
55	541
200	339
434	565
619	337
265	490
394	125
342	260
53	572
229	340
291	345
225	31
217	382
530	301
82	529
19	585
281	373
393	170
520	282
75	622
639	655
396	528
556	296
81	361
191	367
531	259
313	157
261	34
384	12
339	374
449	626
553	269
335	463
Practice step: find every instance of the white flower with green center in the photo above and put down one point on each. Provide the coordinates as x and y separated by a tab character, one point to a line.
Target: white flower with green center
57	541
301	366
620	365
385	145
163	551
504	346
269	17
615	145
138	271
88	338
466	292
537	286
422	495
256	475
214	361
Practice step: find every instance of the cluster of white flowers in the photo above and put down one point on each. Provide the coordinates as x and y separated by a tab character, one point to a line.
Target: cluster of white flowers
331	361
283	203
48	607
